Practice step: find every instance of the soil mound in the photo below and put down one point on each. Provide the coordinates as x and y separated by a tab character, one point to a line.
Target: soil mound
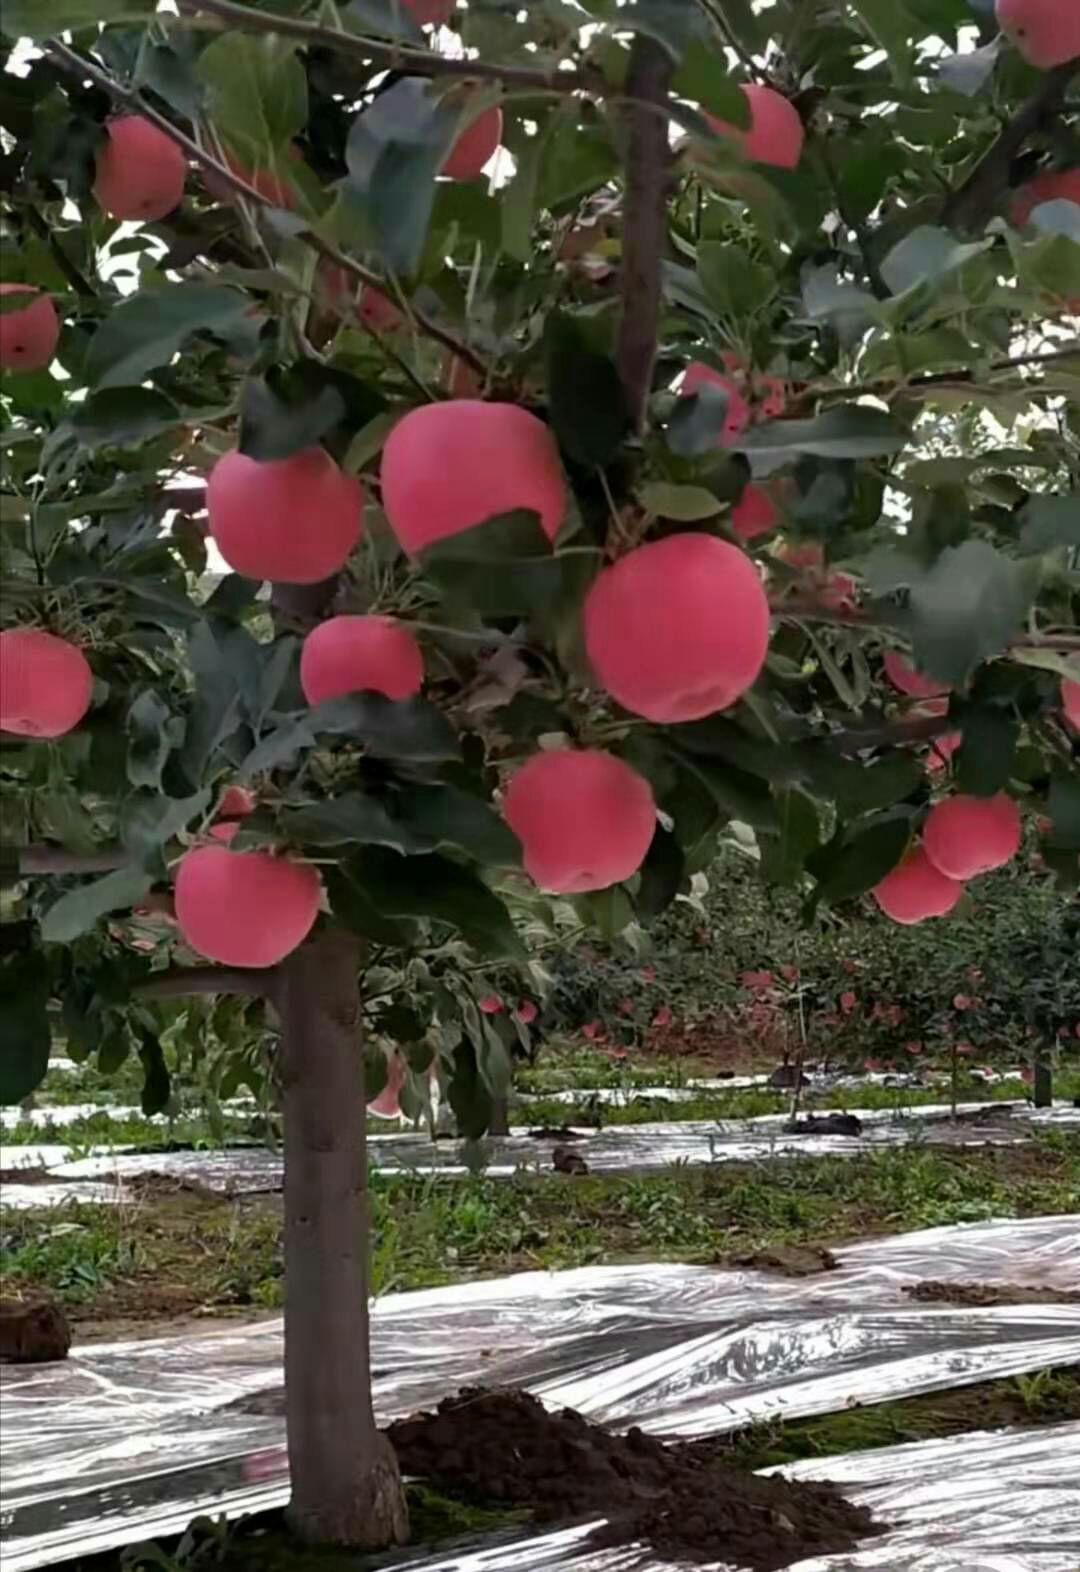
983	1294
506	1447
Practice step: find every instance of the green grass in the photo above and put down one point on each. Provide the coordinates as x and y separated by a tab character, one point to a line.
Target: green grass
178	1253
1044	1397
263	1544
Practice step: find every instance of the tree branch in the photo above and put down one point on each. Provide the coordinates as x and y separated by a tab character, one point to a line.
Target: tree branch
73	62
856	739
648	160
80	284
185	980
837	616
973	203
54	859
398	57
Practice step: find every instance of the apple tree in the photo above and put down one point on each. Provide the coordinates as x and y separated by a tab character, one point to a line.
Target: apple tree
457	460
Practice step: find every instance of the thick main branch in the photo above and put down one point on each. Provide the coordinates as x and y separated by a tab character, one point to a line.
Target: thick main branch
648	162
55	859
186	980
973	203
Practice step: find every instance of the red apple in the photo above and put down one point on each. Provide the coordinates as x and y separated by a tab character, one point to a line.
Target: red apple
1070	701
358	654
679	628
776	133
45	683
140	171
449	466
1052	185
30	334
292	520
387	1104
754	514
585	819
964	836
475	145
906	679
245	908
915	890
264	181
377	311
1045	32
435	12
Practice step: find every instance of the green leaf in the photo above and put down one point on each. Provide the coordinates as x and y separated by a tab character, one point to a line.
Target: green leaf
889	26
469	1094
41	18
394	151
272	427
739	795
505	566
969	605
354	816
157	1087
704	77
984	760
969	73
146	330
411	730
851	431
1048	522
697	421
256	93
1063	806
687	504
352	906
783	856
866	788
609	911
850	311
441	891
118	417
519	199
585	395
25	1037
449	816
926	255
861	859
77	912
149	820
672	23
737	285
153	732
661	874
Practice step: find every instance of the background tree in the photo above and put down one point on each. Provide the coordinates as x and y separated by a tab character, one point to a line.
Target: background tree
738	268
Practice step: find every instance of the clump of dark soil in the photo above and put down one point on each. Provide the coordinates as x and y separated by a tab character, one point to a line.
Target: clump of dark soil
825	1124
790	1260
33	1331
506	1447
30	1174
983	1294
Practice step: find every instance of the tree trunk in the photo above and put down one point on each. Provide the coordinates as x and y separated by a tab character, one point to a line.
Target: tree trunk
1042	1078
346	1487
